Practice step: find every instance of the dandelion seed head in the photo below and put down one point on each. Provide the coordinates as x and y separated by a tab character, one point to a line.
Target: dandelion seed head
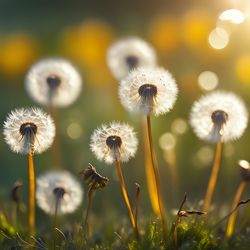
114	141
53	82
219	116
129	53
148	90
61	186
29	130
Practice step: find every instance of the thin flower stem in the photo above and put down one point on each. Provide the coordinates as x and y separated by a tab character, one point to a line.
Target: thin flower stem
125	196
151	185
232	217
157	179
31	208
90	196
178	220
58	197
137	207
56	147
213	177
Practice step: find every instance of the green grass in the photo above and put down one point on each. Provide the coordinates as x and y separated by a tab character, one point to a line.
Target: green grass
193	233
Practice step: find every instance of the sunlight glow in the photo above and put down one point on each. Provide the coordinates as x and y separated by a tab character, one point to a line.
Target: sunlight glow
233	16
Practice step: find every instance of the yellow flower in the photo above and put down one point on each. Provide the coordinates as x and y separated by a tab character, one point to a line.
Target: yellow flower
196	27
242	67
18	51
164	33
88	42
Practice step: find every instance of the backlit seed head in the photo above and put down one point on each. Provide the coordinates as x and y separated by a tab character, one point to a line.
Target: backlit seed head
148	91
61	188
114	141
219	117
29	131
53	82
129	53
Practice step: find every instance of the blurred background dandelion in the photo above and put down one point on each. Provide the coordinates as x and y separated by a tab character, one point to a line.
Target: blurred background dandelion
204	44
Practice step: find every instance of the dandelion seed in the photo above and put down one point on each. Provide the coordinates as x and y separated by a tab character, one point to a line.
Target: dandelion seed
219	117
112	141
29	130
148	91
58	190
129	53
53	82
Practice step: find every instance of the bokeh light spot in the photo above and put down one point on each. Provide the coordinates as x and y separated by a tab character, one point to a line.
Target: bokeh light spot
74	130
208	80
205	155
218	38
167	141
179	126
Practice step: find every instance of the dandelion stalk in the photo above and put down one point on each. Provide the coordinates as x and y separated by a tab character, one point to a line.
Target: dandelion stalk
15	201
56	147
90	196
31	207
213	177
137	207
59	192
157	179
232	217
95	181
125	196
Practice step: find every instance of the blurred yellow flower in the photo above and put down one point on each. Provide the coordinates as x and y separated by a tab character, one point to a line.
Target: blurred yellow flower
87	44
242	67
18	51
164	33
99	75
197	24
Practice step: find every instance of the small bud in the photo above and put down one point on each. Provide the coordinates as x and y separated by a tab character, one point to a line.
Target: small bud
245	170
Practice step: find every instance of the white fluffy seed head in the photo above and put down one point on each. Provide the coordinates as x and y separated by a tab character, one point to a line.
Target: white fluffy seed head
29	130
231	121
47	196
114	141
148	90
53	82
129	53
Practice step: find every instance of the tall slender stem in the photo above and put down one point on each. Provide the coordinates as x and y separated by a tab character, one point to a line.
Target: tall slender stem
58	198
31	207
56	147
125	196
232	218
151	185
137	207
157	179
213	177
90	194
